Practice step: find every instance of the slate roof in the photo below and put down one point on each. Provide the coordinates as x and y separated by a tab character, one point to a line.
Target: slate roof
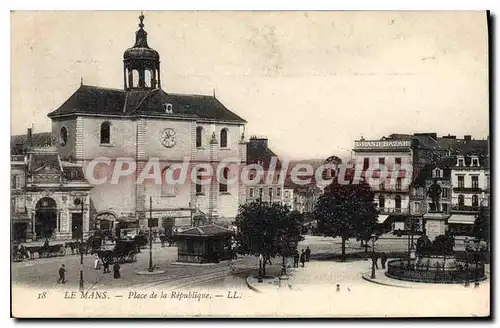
208	230
93	100
39	161
257	150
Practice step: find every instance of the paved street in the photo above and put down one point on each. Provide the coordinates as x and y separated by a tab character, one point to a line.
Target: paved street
43	272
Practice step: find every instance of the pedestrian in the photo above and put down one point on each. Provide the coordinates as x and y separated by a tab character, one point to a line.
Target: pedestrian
116	270
338	288
383	260
308	254
97	264
105	263
296	257
267	259
62	275
374	262
303	258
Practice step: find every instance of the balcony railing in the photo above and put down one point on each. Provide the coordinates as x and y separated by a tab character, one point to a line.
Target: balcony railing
390	188
392	210
468	189
465	208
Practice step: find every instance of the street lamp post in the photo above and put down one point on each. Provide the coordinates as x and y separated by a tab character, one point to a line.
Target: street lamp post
409	240
260	255
374	237
81	254
150	268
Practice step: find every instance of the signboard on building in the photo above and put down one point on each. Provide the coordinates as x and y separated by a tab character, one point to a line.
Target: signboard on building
384	144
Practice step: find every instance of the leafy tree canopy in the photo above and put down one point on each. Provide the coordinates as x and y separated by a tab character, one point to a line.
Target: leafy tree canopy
346	210
267	229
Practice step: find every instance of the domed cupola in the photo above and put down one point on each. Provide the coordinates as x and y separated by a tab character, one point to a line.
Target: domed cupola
141	64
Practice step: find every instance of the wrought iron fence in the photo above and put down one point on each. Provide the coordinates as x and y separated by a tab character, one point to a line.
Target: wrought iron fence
464	272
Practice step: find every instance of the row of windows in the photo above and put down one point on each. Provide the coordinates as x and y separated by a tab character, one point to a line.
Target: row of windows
417	205
461	161
399	182
381	161
105	135
461	201
474	181
381	201
270	192
199	137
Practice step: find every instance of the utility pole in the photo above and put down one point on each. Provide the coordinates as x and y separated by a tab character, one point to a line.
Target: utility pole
81	254
260	242
150	269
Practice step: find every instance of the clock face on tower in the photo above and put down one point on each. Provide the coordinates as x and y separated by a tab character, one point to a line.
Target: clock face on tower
167	138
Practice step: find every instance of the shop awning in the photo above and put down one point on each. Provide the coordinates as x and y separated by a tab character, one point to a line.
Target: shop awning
381	218
462	219
128	219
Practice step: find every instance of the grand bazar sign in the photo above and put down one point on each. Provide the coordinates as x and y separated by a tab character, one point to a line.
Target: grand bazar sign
383	144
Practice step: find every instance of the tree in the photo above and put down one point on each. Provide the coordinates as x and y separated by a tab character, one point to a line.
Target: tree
290	233
266	229
346	211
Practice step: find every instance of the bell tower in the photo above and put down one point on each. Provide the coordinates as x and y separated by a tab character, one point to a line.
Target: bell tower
141	64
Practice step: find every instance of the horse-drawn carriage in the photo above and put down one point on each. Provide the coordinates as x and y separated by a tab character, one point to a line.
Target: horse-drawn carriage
20	253
124	251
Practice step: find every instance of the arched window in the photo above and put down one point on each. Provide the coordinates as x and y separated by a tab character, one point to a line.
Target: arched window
461	202
64	136
135	78
199	177
167	189
223	182
381	202
105	133
223	138
147	78
397	200
475	201
199	136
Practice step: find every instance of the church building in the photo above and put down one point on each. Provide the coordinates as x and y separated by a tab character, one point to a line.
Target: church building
141	121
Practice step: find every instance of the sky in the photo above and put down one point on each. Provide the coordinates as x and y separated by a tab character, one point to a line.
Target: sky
312	82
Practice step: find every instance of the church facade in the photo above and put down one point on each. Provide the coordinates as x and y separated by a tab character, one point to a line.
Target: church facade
142	122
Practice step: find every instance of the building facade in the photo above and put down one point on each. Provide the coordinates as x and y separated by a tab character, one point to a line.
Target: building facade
470	182
50	198
392	193
140	123
269	186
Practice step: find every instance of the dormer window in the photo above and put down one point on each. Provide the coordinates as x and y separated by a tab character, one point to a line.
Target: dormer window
460	161
438	173
168	108
474	161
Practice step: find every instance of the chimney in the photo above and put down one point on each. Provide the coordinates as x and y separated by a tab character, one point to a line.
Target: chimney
258	142
449	137
30	138
467	137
